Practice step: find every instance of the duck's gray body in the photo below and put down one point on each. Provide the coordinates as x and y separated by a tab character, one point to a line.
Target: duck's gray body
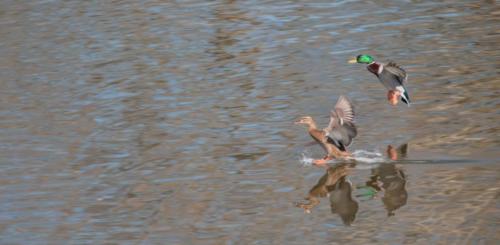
392	76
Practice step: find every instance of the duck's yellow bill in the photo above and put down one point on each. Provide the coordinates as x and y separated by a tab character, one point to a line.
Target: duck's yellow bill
352	61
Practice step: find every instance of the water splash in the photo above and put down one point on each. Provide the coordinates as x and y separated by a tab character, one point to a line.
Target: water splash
365	159
306	160
368	156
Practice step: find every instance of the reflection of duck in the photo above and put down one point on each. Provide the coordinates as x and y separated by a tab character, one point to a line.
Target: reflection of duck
341	201
390	75
392	180
334	185
340	131
394	184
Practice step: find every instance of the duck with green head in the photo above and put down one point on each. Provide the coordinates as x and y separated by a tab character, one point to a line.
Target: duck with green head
390	75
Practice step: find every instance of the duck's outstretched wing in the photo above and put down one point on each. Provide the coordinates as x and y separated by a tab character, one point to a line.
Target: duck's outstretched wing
342	137
341	129
396	70
344	109
342	113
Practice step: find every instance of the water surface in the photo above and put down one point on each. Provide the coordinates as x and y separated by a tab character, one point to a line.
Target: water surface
170	122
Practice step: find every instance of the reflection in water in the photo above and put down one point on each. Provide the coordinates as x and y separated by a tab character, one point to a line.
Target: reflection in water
391	179
120	120
334	184
341	201
394	184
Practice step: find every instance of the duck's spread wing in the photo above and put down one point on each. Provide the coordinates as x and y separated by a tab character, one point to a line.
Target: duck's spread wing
396	69
335	138
344	110
342	136
393	75
350	130
341	128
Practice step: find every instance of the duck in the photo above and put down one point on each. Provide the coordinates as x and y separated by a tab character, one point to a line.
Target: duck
391	75
339	133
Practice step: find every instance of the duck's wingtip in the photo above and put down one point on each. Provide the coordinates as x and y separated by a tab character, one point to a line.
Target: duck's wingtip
404	98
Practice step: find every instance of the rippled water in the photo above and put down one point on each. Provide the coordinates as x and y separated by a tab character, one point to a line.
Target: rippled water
170	122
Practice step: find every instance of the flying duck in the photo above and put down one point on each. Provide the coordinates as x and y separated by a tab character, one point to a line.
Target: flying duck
392	76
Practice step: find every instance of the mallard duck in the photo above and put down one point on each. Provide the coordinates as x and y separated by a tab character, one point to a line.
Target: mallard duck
390	75
338	134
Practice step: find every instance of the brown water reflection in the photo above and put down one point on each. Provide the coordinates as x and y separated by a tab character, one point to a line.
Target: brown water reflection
334	185
168	122
388	178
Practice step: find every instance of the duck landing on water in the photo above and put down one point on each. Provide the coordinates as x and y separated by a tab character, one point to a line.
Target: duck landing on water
337	135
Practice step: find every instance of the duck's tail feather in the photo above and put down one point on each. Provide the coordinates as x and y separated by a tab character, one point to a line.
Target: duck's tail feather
405	98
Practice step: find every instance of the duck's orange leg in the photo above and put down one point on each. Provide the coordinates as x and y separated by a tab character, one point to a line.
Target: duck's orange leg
392	153
393	96
325	160
322	161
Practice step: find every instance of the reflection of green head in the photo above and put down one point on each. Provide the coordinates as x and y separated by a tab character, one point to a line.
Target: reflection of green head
364	59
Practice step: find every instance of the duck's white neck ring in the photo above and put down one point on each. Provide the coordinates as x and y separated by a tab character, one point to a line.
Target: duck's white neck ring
380	68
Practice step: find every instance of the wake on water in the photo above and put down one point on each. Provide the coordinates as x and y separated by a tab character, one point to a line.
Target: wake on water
366	159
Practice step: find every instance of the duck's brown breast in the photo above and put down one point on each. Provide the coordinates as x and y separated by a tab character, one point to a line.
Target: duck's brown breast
373	68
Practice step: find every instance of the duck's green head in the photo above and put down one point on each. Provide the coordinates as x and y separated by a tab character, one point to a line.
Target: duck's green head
362	59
